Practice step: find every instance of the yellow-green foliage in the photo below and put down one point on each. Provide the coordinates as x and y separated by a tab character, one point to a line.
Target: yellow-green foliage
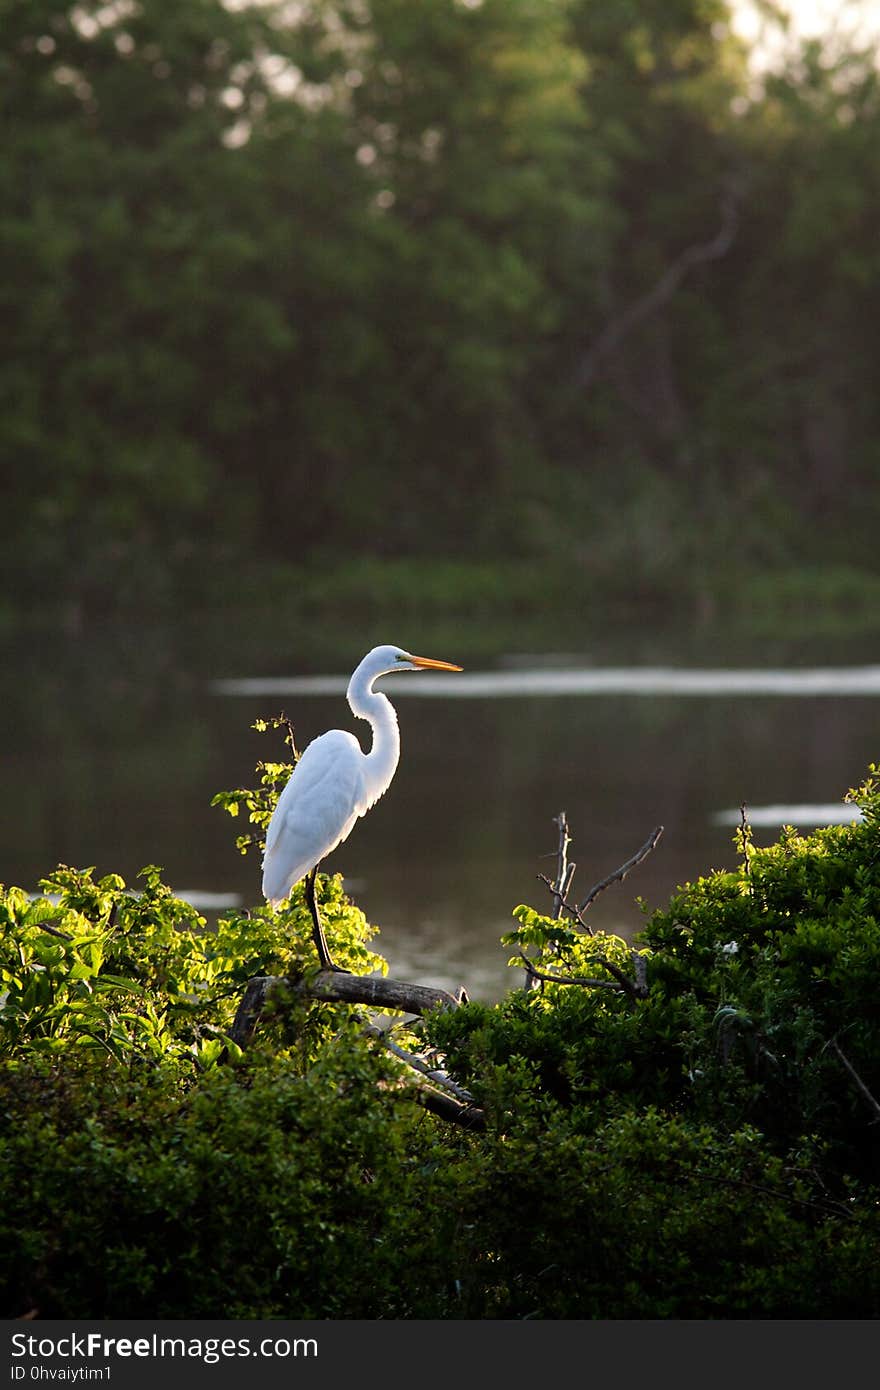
140	974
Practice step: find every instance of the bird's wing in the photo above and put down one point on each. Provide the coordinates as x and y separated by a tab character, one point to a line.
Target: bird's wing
315	812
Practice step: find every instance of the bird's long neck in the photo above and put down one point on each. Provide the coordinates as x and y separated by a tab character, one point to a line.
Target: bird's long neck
377	709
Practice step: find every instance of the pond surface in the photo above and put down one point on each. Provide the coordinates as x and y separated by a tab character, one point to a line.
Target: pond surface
112	751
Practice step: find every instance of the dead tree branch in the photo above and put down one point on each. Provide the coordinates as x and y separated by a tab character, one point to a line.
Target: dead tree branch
434	1089
291	739
630	987
336	987
564	870
468	1116
433	1074
559	887
620	874
453	1103
636	988
567	979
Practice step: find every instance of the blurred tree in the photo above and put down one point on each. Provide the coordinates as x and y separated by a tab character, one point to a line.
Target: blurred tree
729	371
506	277
465	123
810	292
135	287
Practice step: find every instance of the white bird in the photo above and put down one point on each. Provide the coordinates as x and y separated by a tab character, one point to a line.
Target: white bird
334	783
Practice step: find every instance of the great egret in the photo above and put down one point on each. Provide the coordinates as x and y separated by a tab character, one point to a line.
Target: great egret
334	783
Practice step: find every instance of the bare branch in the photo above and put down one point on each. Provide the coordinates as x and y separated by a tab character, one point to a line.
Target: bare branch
614	333
335	986
621	873
253	1002
559	888
825	1207
56	931
290	737
632	989
469	1116
564	871
744	834
453	1103
640	970
432	1074
869	1099
568	979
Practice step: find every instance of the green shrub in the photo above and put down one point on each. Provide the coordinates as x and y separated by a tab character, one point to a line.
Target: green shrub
137	976
700	1143
258	1193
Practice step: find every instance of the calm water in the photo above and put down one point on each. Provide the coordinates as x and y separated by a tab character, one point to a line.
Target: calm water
111	754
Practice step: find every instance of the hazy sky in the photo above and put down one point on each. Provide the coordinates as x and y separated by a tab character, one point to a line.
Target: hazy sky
816	16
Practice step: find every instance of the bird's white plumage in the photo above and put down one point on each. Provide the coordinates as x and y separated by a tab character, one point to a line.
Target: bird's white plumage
315	812
334	781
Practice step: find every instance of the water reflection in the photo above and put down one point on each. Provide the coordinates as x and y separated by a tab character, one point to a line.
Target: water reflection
656	680
799	816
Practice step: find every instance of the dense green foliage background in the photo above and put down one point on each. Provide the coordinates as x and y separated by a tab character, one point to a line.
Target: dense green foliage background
321	285
705	1146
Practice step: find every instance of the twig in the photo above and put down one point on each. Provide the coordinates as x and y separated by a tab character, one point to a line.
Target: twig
564	870
453	1103
567	979
640	970
439	1078
290	738
621	873
827	1208
568	907
56	931
636	989
560	887
633	989
745	838
872	1104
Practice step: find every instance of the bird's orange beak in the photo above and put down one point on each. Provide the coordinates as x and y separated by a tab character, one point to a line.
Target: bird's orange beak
430	664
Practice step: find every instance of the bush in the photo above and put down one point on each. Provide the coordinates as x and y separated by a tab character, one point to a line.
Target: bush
702	1145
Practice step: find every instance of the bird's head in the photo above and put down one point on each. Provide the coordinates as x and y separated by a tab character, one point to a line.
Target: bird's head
383	660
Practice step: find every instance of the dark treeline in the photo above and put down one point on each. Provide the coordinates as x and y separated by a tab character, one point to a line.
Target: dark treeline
551	282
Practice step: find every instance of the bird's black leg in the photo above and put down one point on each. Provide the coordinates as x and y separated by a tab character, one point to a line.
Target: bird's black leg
318	930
